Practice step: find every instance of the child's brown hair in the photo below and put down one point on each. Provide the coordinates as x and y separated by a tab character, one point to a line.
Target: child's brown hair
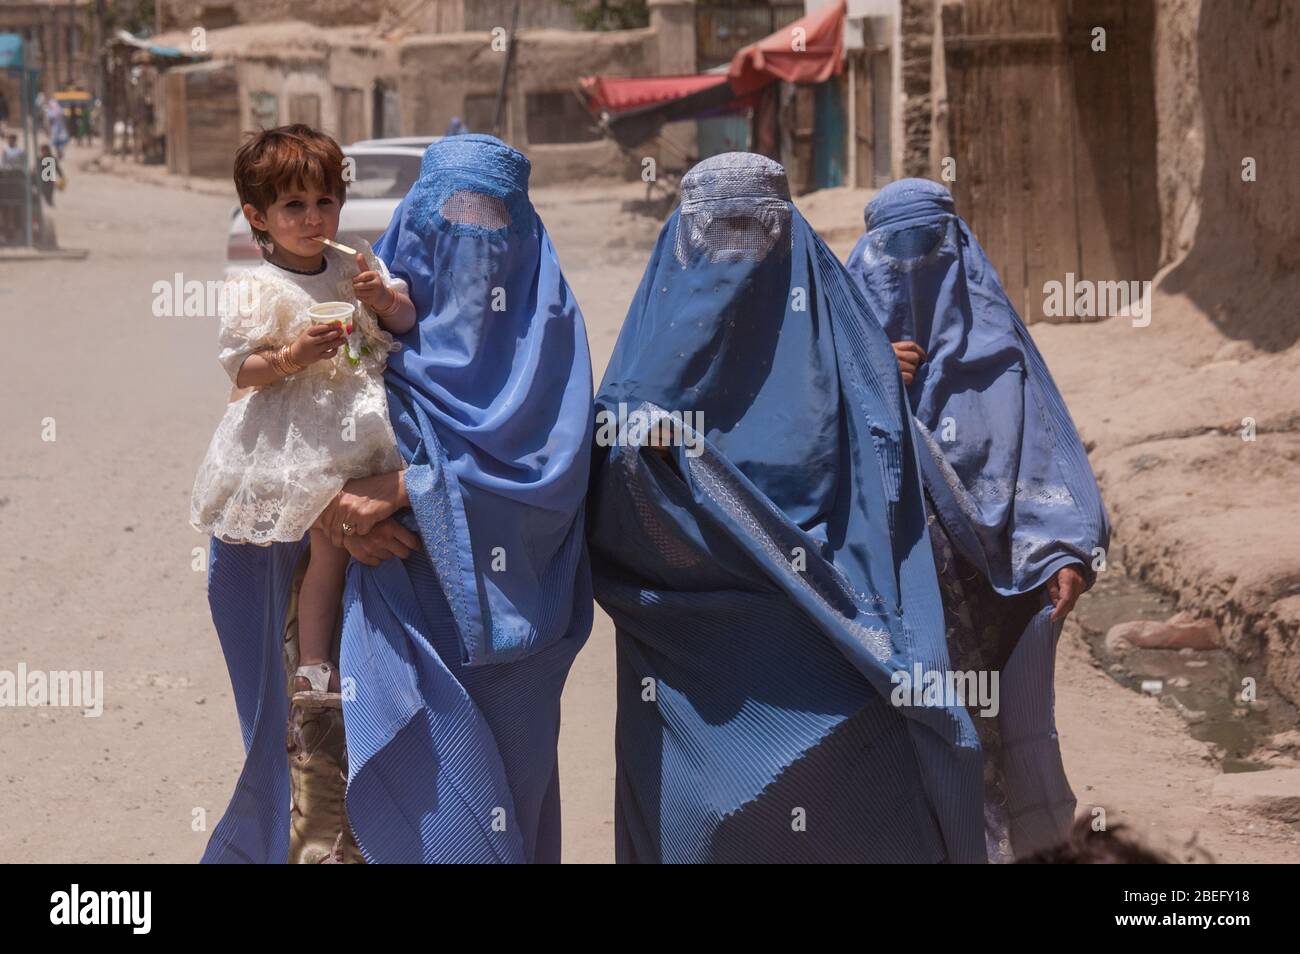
284	158
1086	846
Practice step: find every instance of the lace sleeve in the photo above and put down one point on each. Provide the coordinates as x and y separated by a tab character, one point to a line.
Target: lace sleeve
249	321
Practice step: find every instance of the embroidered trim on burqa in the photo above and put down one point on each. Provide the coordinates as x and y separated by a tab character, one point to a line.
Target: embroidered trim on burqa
472	163
735	208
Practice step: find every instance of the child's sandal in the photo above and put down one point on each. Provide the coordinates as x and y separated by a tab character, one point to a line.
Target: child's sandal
318	677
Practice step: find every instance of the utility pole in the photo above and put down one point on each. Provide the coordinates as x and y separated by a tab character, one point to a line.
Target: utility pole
29	141
74	31
101	76
499	116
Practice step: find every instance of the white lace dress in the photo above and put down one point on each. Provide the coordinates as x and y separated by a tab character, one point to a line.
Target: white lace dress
282	452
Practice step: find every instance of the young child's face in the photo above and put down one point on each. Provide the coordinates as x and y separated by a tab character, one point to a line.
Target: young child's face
296	216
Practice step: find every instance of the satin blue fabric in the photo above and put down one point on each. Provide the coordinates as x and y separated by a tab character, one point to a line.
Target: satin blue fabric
1007	469
491	398
765	590
456	656
1001	459
447	763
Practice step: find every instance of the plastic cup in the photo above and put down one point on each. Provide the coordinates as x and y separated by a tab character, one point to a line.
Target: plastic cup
338	313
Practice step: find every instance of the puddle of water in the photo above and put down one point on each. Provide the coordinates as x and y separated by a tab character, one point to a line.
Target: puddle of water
1204	687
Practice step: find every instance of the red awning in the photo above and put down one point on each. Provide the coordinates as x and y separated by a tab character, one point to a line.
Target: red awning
616	94
810	50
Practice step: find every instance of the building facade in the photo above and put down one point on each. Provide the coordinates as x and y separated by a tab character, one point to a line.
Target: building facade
57	34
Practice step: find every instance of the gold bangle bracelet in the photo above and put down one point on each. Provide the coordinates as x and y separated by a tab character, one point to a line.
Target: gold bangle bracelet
288	361
281	361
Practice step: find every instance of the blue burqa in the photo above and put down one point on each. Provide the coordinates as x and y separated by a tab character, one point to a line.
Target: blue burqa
457	654
771	573
1001	458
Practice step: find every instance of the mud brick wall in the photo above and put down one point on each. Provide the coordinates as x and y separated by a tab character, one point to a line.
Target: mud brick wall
918	24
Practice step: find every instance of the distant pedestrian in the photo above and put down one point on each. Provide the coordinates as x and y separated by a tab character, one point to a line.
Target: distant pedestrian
11	157
49	172
56	126
11	188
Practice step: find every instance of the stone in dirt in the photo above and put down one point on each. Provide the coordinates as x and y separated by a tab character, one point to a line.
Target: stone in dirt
1180	631
1288	741
1273	793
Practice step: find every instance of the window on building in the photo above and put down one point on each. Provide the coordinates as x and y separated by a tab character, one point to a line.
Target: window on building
558	117
305	108
350	106
215	16
724	27
480	111
385	114
265	109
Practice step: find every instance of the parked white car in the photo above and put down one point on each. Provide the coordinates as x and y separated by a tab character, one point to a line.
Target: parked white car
383	173
418	142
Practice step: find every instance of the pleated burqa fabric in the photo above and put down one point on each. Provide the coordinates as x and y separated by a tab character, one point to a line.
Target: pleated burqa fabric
771	573
453	660
1008	475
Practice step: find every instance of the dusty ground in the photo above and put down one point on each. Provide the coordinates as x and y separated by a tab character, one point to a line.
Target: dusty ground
1197	509
96	558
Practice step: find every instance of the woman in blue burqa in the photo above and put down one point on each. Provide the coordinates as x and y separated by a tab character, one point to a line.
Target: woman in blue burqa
1016	518
454	657
762	549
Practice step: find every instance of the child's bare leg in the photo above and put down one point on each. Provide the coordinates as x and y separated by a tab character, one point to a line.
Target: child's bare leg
318	605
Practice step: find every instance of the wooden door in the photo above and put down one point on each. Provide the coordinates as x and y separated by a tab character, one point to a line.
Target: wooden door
305	108
350	124
1054	141
800	116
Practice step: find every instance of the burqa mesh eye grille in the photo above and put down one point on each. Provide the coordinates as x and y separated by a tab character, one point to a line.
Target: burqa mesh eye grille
735	207
908	249
476	209
914	242
740	237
